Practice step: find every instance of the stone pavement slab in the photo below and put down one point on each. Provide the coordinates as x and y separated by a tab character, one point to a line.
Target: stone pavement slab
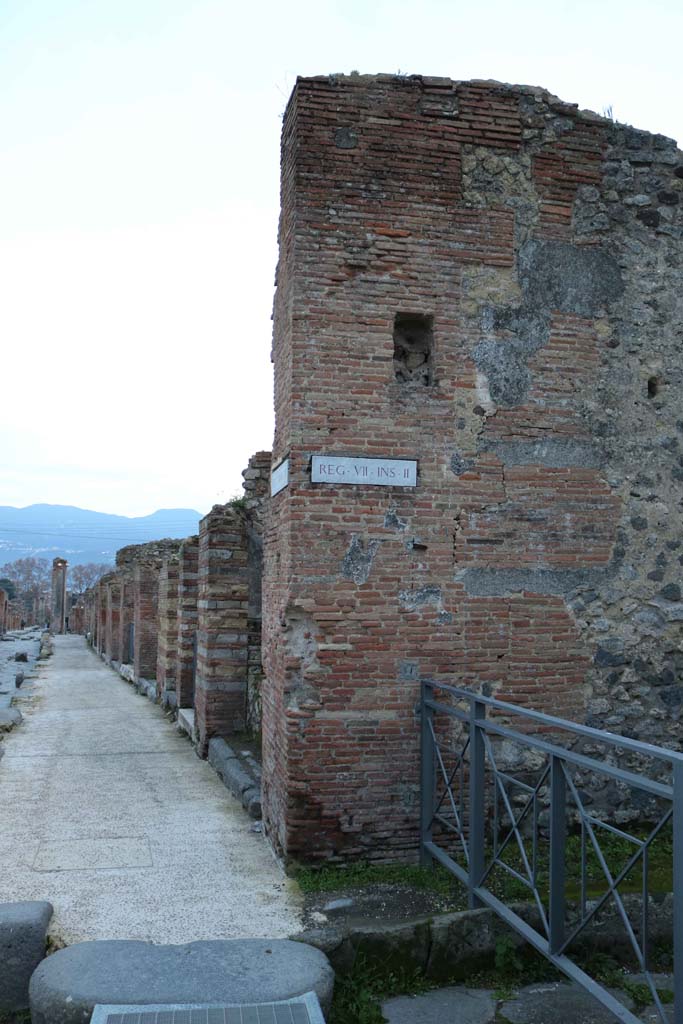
533	1004
65	987
541	1004
108	814
453	1005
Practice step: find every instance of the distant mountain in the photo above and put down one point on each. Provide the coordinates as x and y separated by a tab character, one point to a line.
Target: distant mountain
80	536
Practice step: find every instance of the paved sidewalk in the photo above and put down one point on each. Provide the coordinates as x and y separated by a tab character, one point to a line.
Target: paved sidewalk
108	813
543	1003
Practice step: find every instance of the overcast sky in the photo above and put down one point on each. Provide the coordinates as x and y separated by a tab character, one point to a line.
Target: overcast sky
139	176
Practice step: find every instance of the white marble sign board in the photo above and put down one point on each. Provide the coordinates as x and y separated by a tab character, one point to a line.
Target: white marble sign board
337	470
279	477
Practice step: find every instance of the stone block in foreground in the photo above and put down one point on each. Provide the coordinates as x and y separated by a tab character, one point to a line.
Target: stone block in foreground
23	928
66	987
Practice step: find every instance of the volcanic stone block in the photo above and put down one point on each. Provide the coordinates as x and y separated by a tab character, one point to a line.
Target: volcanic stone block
23	928
66	987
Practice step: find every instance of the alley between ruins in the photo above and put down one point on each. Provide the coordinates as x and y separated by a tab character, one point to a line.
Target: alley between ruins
108	813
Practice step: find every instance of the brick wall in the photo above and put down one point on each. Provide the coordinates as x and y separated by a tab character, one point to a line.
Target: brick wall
186	621
145	607
222	605
167	653
256	495
126	615
101	620
461	281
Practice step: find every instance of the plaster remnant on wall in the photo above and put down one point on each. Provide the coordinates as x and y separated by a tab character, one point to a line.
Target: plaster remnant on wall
302	644
411	600
483	393
503	582
357	561
502	367
548	452
582	280
554	276
392	521
460	465
408	670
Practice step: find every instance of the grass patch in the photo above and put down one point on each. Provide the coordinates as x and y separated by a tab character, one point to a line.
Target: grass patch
358	996
616	851
355	876
17	1017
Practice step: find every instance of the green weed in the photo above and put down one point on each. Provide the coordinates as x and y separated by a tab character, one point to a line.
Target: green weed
358	996
355	876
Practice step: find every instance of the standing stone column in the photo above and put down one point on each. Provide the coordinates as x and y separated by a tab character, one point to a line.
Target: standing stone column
146	597
114	619
126	618
101	637
58	601
222	634
186	622
167	651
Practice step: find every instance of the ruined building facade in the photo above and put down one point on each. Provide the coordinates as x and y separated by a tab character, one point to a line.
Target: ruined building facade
479	286
477	469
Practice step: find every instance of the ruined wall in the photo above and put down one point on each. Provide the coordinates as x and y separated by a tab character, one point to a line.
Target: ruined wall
222	608
186	622
486	280
4	611
256	494
100	638
146	561
167	652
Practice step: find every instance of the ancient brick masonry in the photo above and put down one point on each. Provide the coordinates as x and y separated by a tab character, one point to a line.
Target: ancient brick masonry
222	606
167	650
484	279
228	651
186	622
146	570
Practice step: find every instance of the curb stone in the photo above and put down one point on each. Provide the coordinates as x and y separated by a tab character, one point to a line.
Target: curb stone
23	931
65	987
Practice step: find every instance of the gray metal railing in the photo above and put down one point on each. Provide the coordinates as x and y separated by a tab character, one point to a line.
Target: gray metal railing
479	813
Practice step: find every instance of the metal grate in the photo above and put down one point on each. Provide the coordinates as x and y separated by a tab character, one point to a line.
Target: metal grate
303	1009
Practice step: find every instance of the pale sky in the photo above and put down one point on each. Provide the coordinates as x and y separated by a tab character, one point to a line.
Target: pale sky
139	178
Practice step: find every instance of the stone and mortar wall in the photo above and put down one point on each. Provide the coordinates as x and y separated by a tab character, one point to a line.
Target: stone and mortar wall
538	250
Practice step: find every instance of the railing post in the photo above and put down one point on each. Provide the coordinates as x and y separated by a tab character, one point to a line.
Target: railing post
427	765
558	839
477	807
678	890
